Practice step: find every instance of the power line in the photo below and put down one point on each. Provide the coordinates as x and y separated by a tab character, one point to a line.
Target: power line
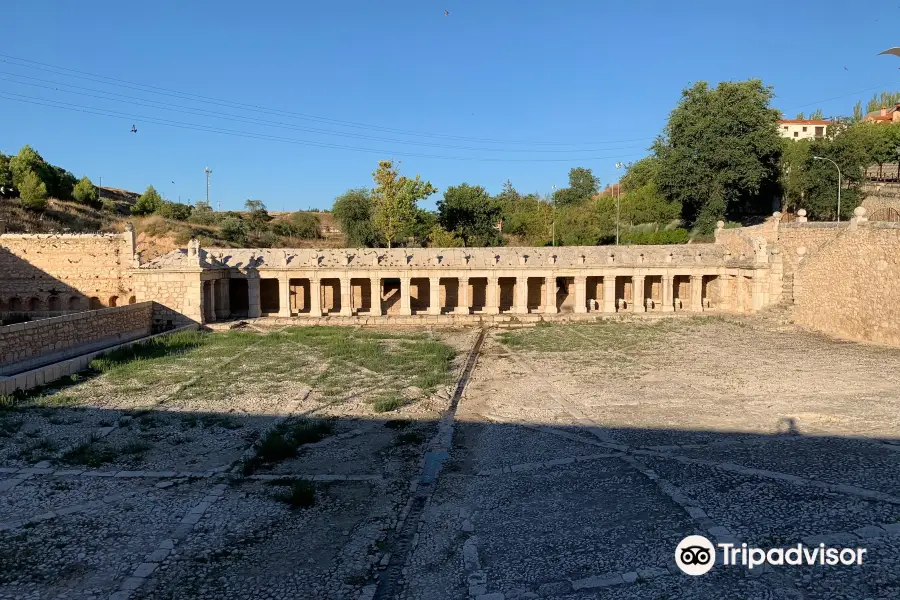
210	129
30	64
254	121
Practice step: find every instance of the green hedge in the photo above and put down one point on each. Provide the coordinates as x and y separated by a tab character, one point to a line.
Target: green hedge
671	236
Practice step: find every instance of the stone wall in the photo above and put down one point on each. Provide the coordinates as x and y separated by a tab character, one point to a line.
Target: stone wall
849	287
807	237
176	296
28	345
57	273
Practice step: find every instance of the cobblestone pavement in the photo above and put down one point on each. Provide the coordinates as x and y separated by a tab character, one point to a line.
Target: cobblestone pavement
584	453
579	457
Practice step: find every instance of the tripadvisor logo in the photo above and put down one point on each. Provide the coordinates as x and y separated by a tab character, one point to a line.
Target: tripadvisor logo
696	555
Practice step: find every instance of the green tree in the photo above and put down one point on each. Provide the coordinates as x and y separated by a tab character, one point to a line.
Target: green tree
85	192
32	191
353	211
884	100
28	161
582	185
858	114
719	153
174	210
234	230
794	174
60	183
647	205
441	238
508	195
529	218
203	214
301	225
470	213
395	199
817	115
5	173
640	173
148	203
259	217
418	230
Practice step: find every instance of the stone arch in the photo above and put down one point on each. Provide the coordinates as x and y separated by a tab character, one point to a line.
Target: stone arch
4	305
34	304
15	304
74	303
132	300
54	304
113	301
94	303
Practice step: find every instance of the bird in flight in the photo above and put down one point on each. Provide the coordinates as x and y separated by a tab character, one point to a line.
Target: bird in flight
133	129
895	51
446	13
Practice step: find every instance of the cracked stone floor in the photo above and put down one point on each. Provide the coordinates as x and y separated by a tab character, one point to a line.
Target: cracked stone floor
581	455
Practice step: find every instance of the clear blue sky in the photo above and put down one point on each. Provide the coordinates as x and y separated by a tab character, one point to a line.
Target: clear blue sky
583	73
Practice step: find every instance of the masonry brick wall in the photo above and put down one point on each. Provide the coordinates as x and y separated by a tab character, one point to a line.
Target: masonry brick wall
177	297
849	288
63	272
26	343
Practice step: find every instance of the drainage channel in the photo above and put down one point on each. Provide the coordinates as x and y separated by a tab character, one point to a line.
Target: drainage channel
389	581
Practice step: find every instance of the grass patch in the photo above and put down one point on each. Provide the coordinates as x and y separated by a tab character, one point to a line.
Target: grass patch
38	450
284	441
387	404
223	421
300	494
128	362
90	454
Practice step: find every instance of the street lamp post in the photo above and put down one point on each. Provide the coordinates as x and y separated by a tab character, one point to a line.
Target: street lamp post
618	197
839	183
553	223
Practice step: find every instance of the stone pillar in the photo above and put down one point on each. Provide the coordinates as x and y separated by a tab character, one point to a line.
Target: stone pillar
757	293
209	293
284	296
375	294
434	295
405	308
697	293
668	298
492	296
521	303
462	297
637	293
609	293
315	297
550	295
223	302
346	297
581	294
253	308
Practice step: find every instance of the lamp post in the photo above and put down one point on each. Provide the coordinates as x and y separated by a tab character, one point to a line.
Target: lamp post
839	183
553	205
618	196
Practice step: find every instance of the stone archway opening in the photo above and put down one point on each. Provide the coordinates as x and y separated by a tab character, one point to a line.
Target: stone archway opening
653	292
565	294
478	293
360	295
594	293
113	301
624	290
331	296
681	292
54	304
507	291
269	302
419	295
449	298
536	295
15	304
239	297
391	295
300	291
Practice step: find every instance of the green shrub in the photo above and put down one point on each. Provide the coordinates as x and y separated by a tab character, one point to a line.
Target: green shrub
234	230
33	192
670	236
85	192
388	404
174	210
149	202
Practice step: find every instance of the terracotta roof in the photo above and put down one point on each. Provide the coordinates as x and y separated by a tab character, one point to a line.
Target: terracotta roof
804	122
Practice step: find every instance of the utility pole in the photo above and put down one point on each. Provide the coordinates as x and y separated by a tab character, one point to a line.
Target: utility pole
208	172
100	190
553	225
618	191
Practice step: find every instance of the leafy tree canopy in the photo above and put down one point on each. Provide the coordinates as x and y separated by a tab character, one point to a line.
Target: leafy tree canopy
353	211
32	191
470	213
148	203
86	193
395	200
719	154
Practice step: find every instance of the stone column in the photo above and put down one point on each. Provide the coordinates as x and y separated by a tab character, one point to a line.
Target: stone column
434	295
697	293
315	297
550	295
375	294
668	299
405	308
223	302
493	296
284	296
521	303
462	296
637	293
346	297
253	309
609	293
581	294
210	301
757	292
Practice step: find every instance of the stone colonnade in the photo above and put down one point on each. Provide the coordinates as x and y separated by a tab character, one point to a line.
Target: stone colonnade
287	293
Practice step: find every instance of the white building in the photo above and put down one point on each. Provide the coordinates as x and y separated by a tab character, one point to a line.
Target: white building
801	129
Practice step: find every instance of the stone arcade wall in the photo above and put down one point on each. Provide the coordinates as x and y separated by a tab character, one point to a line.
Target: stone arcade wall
25	346
849	287
57	273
